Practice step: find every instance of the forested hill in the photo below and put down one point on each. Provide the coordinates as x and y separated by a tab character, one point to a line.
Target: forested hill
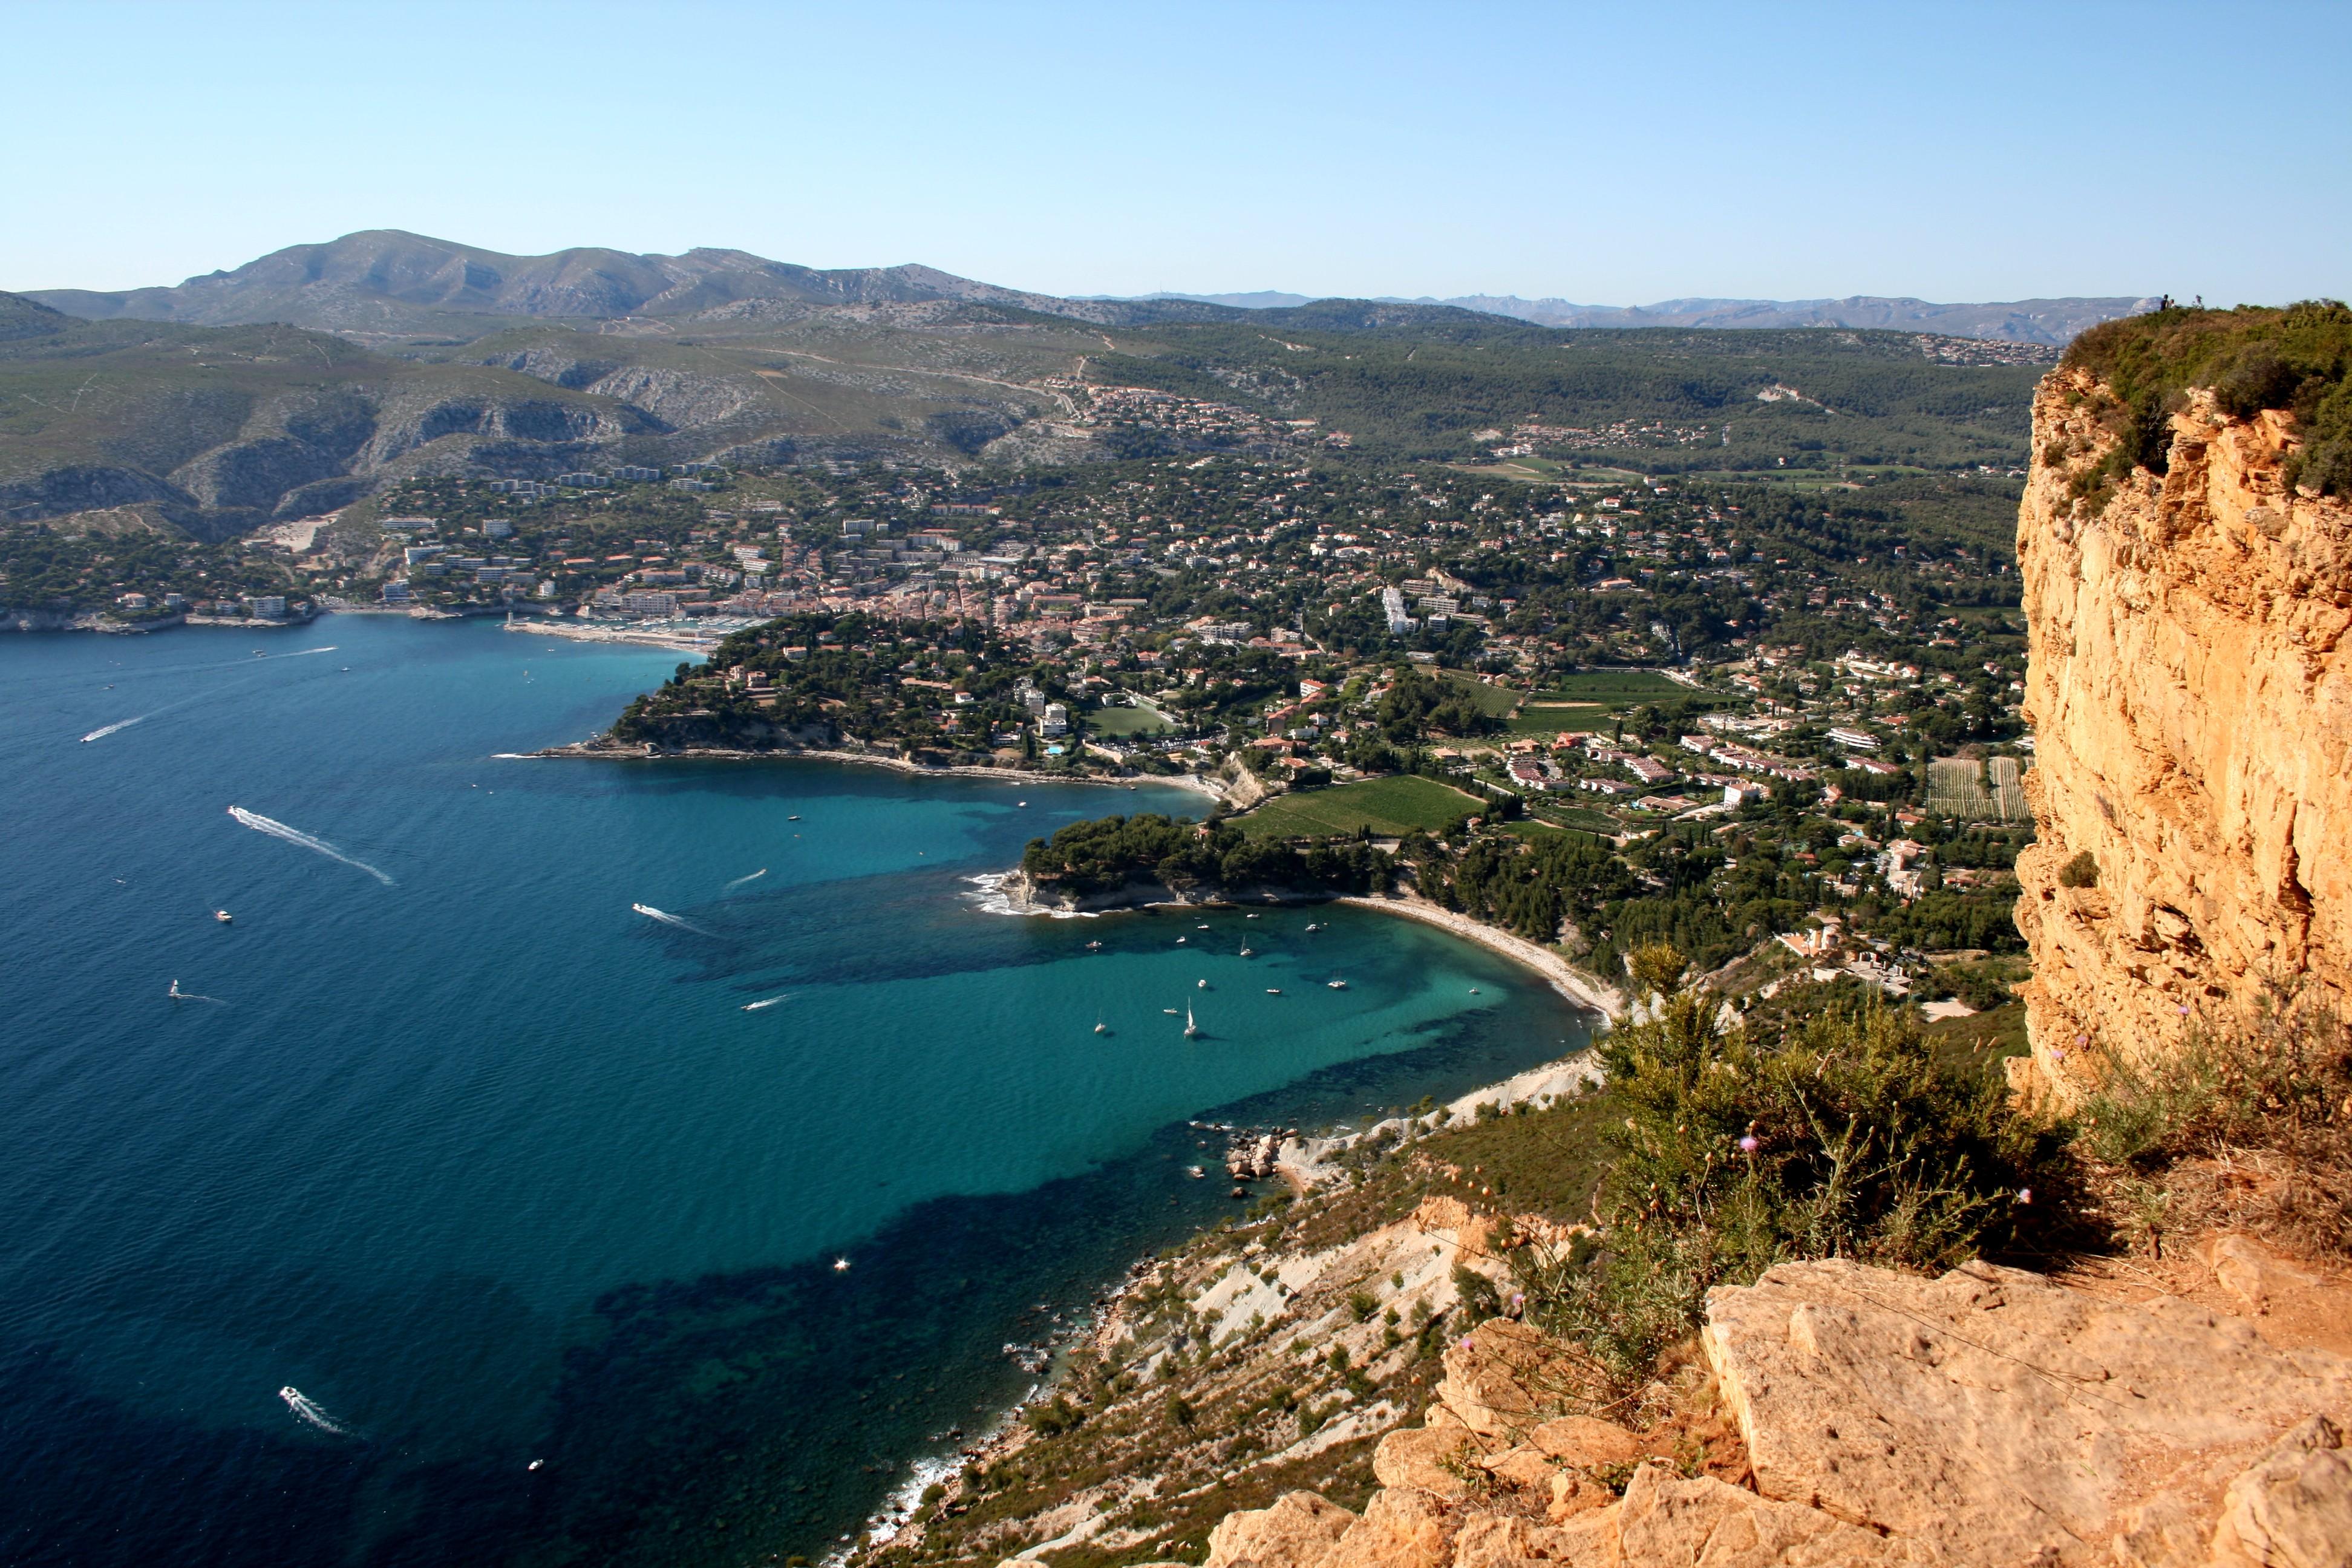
1448	384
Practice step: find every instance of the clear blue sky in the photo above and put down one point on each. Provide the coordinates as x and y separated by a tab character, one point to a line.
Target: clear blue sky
1613	156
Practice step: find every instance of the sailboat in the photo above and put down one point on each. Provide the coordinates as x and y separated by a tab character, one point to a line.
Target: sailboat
1245	952
1190	1028
1101	1027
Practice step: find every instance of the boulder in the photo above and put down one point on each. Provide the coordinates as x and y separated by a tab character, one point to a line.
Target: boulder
1993	1416
1586	1443
2241	1267
1499	1379
1430	1457
1705	1523
1297	1532
1401	1527
1524	1466
2293	1507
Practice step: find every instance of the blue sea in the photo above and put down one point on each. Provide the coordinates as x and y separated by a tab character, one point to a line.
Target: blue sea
456	1213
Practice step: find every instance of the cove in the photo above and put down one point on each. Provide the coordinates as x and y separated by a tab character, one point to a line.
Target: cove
494	1169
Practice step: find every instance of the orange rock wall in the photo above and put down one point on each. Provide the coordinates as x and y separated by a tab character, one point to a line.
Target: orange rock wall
2191	689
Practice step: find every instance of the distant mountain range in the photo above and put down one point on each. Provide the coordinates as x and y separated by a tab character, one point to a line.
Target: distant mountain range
2053	321
301	382
386	284
391	283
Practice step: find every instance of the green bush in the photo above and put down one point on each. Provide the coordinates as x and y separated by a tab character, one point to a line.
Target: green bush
2082	871
1851	1139
2298	359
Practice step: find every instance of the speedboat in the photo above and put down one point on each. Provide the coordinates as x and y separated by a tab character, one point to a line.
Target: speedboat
1273	991
223	916
1337	984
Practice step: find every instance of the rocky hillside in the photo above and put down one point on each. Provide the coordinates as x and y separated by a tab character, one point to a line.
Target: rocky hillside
1347	1386
1849	1416
391	283
223	430
2186	546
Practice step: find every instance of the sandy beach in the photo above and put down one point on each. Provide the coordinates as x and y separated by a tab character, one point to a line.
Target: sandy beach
1193	782
1585	989
579	631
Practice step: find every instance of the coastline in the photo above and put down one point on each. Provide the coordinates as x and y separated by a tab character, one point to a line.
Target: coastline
1584	990
549	626
587	751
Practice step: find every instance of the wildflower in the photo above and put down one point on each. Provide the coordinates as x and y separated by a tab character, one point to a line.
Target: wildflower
1749	1145
2025	1194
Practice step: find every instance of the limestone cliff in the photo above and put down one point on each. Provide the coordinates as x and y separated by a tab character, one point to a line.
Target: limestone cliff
2191	689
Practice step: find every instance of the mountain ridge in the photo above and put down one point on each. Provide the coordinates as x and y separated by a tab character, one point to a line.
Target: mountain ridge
2053	321
391	283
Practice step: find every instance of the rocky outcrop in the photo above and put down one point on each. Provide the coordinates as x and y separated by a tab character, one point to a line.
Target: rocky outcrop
2191	689
1991	1419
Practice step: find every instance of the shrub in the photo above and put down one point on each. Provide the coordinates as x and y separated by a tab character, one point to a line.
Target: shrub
2082	871
2298	359
2248	1126
1851	1139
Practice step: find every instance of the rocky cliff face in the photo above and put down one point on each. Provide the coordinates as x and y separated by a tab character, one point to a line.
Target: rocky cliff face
2190	688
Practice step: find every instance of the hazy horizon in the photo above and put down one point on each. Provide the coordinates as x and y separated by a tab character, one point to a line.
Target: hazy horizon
1973	154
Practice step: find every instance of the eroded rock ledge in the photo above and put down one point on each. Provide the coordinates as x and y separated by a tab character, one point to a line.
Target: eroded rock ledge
1988	1417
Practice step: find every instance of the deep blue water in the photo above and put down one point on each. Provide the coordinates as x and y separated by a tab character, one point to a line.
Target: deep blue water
494	1169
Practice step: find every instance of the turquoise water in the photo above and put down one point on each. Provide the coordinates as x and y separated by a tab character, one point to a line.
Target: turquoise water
494	1169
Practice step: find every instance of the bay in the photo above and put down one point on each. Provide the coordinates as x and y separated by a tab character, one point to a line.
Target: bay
495	1170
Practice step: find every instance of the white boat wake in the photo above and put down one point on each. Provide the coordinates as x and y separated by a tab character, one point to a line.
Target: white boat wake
176	995
668	919
741	881
277	829
308	1411
755	1006
101	732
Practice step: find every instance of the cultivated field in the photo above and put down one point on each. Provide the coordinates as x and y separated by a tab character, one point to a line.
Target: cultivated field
1390	807
1611	686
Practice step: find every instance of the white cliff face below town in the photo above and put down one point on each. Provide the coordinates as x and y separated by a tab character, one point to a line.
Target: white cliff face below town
2191	695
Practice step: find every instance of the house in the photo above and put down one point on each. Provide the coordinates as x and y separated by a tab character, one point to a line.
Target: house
1854	740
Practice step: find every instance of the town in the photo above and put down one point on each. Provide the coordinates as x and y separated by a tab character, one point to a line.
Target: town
1597	711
